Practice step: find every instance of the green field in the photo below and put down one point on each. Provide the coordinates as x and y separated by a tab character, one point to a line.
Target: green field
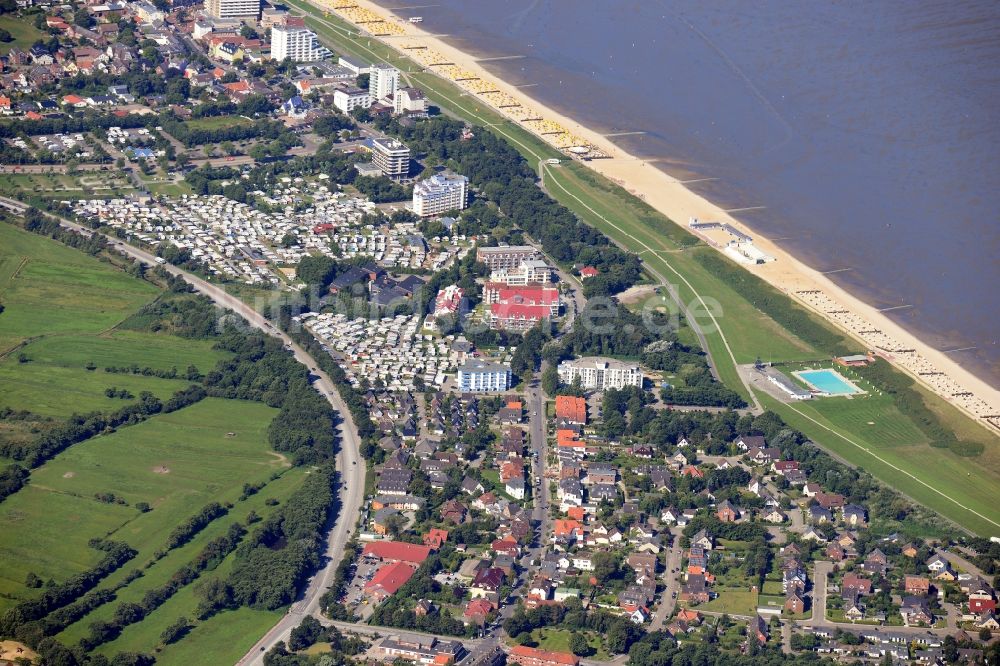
48	288
558	640
23	31
176	462
84	185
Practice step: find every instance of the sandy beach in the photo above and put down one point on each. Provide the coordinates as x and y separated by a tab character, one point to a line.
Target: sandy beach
872	329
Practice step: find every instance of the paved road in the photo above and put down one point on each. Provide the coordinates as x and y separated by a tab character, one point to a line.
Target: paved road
673	582
352	468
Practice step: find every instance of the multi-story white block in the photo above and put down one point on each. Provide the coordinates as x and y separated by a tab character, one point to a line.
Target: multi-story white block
439	194
294	41
409	100
232	9
383	81
391	157
531	271
597	373
348	98
477	376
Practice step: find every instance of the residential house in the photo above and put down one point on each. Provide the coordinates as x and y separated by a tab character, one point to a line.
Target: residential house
487	583
918	585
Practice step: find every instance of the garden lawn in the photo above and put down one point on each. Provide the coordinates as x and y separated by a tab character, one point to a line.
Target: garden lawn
22	29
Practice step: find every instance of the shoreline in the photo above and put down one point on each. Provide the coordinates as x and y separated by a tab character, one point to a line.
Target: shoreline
862	322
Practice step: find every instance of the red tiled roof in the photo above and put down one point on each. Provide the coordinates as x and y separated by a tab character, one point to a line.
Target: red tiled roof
571	408
391	577
397	551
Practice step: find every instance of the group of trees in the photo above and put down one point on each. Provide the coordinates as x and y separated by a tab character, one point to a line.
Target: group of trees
115	555
274	562
618	632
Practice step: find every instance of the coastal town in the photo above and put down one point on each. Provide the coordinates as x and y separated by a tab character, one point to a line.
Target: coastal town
556	468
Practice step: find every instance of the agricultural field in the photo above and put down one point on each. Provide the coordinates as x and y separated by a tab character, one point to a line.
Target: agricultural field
177	463
62	328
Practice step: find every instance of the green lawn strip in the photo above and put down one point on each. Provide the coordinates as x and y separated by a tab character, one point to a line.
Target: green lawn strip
957	488
23	30
125	348
144	636
222	639
204	466
558	640
60	290
46	533
51	390
215	122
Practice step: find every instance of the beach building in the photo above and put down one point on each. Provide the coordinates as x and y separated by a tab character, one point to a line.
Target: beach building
347	98
391	157
506	257
233	9
598	373
358	67
411	101
478	376
292	40
383	81
439	194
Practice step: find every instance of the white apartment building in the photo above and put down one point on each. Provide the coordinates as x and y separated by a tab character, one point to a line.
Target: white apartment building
409	100
348	98
531	271
439	194
598	373
391	157
295	41
383	81
232	9
505	257
478	376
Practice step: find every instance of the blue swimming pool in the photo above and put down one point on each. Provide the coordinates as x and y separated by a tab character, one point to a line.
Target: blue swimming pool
828	381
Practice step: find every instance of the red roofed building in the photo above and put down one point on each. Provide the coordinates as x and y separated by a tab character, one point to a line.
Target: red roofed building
388	579
506	546
396	551
571	408
528	656
435	538
519	308
477	610
588	272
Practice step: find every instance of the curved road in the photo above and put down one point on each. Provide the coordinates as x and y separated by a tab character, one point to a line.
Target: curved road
349	463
